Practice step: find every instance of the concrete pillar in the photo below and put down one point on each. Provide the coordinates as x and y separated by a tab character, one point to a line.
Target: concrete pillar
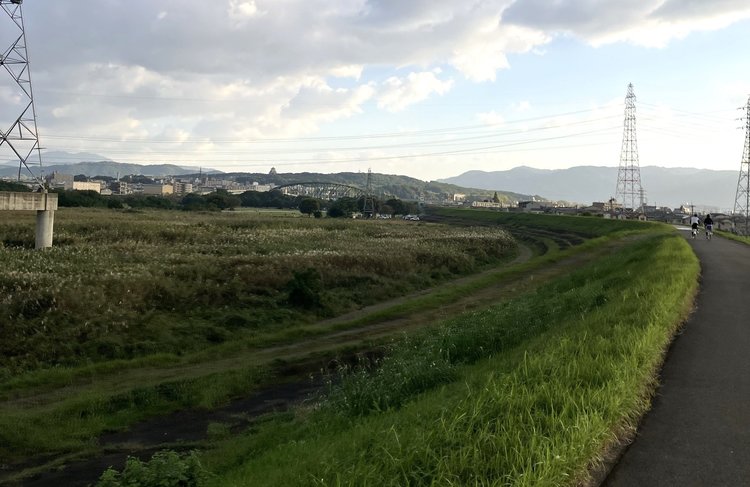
45	222
44	204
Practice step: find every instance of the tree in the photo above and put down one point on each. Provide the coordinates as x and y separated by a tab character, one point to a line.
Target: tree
343	207
397	206
14	187
496	198
304	288
386	210
222	200
308	206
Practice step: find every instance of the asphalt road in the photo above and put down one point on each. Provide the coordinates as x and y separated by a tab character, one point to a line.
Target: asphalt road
698	431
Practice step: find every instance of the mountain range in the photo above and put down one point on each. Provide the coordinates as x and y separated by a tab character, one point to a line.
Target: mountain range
103	167
704	188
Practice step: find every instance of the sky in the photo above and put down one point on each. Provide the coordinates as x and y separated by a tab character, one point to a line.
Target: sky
423	88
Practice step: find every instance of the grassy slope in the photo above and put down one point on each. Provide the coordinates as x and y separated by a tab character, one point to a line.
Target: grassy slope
557	376
732	236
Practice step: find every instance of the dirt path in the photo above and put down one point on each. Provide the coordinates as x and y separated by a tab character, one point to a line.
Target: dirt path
698	431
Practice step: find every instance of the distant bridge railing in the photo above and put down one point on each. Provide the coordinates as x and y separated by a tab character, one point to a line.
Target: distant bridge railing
322	191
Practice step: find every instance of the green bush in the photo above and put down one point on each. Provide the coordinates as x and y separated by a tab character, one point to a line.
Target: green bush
165	469
304	289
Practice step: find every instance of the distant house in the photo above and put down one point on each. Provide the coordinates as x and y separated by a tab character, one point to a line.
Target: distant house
60	180
530	205
158	189
87	186
486	204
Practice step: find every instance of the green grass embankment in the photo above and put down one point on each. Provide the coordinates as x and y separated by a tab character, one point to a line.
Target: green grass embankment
529	392
732	236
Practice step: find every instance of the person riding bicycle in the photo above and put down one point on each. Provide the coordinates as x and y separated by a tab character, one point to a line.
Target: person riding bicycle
709	224
694	222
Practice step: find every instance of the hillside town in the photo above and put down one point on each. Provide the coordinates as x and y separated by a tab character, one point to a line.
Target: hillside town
204	184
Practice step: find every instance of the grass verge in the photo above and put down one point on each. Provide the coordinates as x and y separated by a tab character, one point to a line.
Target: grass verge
731	236
529	392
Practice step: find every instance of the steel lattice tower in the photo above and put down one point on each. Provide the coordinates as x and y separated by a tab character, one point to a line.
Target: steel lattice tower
742	198
368	208
629	189
22	135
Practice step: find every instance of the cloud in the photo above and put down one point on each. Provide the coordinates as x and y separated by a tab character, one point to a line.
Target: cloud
398	93
652	23
146	70
491	118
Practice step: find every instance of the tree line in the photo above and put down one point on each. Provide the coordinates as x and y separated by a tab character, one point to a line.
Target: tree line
223	200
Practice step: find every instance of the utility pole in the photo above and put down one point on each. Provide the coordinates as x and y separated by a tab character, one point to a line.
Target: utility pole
629	175
742	198
22	137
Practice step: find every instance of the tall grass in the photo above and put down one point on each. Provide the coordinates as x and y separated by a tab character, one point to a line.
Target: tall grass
585	226
527	393
123	285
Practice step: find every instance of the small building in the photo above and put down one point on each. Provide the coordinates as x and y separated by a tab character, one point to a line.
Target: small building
182	188
486	204
158	189
87	186
58	180
530	205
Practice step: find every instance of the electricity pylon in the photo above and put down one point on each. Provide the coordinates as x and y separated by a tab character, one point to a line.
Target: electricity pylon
368	209
22	137
629	189
742	198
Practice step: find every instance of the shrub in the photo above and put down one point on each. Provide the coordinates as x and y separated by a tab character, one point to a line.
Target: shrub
304	289
165	469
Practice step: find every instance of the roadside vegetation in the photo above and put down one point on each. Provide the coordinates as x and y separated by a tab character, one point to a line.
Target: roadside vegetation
530	392
134	314
735	237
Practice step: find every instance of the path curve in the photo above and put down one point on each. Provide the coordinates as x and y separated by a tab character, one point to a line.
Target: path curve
698	430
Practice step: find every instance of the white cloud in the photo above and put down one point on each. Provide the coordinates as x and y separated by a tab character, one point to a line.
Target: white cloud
491	118
522	106
652	23
349	71
240	11
281	68
398	93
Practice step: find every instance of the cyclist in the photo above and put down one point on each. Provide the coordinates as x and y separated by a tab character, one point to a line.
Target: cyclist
709	224
694	221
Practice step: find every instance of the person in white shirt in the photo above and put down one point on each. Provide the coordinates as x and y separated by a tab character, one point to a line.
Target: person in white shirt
694	221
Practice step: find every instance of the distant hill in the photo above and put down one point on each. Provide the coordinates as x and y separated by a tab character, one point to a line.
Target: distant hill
60	158
112	169
385	185
585	184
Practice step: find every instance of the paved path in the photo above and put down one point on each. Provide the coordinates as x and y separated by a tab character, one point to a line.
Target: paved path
698	432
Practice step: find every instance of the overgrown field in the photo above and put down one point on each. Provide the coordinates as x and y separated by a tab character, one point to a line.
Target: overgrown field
135	314
528	393
121	285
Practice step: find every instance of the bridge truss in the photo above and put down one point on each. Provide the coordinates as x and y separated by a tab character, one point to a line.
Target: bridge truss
321	191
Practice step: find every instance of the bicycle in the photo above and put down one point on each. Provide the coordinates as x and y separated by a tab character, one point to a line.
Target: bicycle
709	231
694	232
